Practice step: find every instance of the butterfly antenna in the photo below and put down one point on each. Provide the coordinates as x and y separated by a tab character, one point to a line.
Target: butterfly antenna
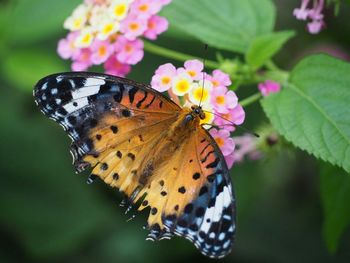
204	59
231	123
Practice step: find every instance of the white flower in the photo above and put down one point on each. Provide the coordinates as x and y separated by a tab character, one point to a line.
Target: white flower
181	84
199	94
78	19
85	38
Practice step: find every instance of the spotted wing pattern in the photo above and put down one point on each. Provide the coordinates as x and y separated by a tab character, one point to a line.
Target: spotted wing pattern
120	128
206	213
81	102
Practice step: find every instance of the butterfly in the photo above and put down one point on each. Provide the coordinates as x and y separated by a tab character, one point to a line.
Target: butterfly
154	151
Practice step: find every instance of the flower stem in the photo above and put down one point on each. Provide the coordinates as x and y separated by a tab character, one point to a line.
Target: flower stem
152	48
250	100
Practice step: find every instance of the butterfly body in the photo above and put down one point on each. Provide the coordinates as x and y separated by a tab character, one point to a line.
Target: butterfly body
155	152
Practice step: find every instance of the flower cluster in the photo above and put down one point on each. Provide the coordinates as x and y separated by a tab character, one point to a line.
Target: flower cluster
108	32
314	14
269	87
190	85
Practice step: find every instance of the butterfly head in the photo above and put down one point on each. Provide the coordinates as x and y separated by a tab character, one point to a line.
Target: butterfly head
197	111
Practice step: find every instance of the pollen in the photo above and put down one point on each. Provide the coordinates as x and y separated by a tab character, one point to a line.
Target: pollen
143	8
215	83
120	10
87	38
102	51
183	86
134	26
165	80
220	100
191	73
151	24
128	48
77	23
107	28
201	93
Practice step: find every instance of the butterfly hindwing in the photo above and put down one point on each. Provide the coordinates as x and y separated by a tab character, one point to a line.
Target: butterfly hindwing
206	214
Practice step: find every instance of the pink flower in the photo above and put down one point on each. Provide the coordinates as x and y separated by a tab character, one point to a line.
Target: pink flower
66	47
220	78
246	145
302	13
314	14
145	8
234	116
129	52
268	87
133	27
223	140
162	79
193	68
114	67
83	61
223	100
101	50
155	26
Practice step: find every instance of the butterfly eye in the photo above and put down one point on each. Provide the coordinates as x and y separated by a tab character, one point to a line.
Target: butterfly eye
202	115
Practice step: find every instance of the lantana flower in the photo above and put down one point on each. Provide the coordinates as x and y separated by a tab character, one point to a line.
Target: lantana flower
110	31
189	85
269	87
311	11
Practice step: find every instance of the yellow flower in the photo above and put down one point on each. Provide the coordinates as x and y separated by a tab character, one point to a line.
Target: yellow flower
85	38
119	9
181	84
78	19
199	94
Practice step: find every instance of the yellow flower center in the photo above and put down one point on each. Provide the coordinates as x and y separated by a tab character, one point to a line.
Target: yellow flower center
107	28
220	142
191	73
128	48
86	38
102	51
182	85
120	10
201	93
220	100
215	83
165	80
151	24
143	8
77	23
134	26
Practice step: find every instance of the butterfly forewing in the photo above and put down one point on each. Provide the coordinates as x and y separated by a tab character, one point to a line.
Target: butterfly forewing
80	101
134	139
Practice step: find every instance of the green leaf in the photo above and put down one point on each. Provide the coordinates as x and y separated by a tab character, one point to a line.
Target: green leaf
313	110
34	20
266	46
227	24
335	194
25	67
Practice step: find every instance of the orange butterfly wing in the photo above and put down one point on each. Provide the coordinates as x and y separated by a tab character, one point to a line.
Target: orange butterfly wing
121	128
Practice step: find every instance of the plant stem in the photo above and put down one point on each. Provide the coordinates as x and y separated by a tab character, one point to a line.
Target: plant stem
250	100
152	48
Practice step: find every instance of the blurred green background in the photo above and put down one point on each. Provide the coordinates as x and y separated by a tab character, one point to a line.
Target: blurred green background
49	214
